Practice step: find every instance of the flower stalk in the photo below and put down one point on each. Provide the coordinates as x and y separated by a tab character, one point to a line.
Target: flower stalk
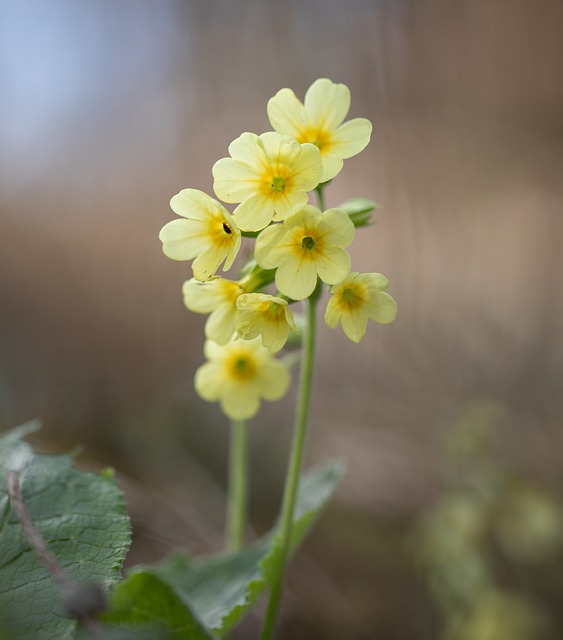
295	464
319	192
238	483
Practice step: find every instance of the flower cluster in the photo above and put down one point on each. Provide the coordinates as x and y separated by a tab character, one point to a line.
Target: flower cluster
297	246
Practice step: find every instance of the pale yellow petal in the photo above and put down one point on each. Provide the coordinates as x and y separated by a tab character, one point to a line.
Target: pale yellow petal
271	246
290	320
232	250
246	151
207	262
285	206
248	325
354	323
201	297
307	168
234	182
279	148
193	203
337	228
274	336
333	312
274	380
332	165
327	103
183	239
240	401
209	381
258	352
306	216
212	351
333	265
255	213
296	278
382	308
247	300
220	325
248	321
286	113
374	281
351	138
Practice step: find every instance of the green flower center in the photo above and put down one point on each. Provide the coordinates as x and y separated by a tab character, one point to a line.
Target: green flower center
243	368
308	243
352	297
275	310
278	183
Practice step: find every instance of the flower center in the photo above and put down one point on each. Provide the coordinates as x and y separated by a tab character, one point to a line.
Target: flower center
227	228
308	243
318	137
278	183
242	367
352	297
275	311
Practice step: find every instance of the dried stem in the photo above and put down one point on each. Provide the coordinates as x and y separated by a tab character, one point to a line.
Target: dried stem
82	601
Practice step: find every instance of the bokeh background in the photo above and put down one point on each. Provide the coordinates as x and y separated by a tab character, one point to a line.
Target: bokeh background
448	523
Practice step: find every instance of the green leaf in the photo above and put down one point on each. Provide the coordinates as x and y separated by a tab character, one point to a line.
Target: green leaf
83	521
144	599
359	210
109	632
221	589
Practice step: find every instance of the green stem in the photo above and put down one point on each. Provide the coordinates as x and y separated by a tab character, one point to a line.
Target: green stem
294	469
237	499
320	196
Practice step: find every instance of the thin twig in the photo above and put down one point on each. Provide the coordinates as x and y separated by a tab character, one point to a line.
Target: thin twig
34	538
82	601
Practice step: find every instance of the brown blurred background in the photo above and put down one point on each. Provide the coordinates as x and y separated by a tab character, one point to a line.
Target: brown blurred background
107	109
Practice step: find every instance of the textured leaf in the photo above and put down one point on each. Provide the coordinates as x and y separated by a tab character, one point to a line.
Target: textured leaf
144	599
223	588
82	518
146	632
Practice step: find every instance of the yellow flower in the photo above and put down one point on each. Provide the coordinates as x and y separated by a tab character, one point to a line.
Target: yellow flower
238	375
218	297
269	175
307	244
319	120
208	233
359	297
262	314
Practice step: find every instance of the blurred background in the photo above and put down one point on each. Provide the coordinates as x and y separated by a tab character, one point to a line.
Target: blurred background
448	524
